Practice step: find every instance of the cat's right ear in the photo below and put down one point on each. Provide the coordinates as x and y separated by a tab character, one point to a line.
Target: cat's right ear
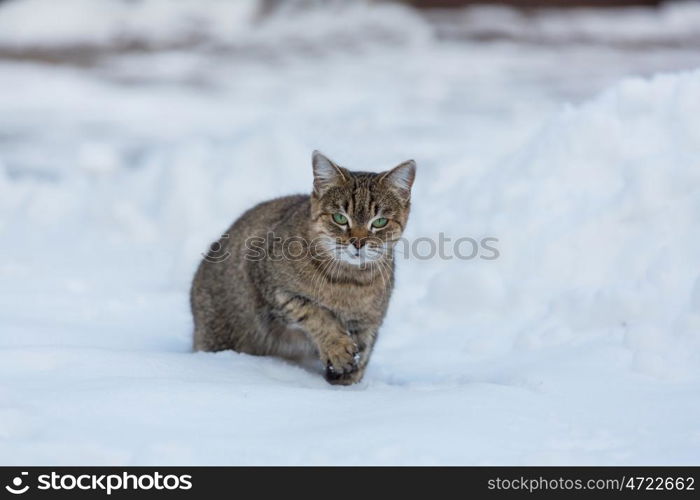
326	173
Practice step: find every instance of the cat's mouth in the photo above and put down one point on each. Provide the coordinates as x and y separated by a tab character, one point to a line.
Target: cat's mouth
359	256
350	254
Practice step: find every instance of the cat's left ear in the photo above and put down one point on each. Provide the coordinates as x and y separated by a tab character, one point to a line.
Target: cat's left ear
401	178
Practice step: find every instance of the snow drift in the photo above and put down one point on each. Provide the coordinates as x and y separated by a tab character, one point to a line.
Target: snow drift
597	219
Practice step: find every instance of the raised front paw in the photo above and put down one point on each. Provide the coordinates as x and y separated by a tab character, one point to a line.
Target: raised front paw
342	360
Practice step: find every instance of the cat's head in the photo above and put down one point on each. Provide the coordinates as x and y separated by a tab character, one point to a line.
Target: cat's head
358	216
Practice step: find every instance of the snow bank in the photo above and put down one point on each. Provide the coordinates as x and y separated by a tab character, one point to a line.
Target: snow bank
597	218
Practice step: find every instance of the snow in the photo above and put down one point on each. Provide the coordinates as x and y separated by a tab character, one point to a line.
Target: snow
579	344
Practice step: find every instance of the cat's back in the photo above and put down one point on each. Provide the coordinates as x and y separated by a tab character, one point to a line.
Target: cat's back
223	268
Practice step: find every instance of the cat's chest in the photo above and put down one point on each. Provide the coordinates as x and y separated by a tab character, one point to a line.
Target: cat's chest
356	302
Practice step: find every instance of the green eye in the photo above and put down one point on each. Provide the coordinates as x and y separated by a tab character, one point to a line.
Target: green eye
380	222
340	219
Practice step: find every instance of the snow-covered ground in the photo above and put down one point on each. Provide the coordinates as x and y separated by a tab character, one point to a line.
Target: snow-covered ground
129	141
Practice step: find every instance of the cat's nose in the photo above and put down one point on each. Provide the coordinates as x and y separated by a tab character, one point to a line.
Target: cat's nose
359	242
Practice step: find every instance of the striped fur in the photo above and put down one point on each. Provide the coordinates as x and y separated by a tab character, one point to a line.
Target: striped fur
329	304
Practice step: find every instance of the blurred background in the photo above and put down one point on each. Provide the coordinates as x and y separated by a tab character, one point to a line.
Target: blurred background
160	120
132	132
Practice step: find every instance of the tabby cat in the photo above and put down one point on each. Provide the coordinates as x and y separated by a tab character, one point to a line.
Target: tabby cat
303	276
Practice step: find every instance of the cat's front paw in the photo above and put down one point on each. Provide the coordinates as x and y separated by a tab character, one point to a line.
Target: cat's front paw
346	378
342	361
